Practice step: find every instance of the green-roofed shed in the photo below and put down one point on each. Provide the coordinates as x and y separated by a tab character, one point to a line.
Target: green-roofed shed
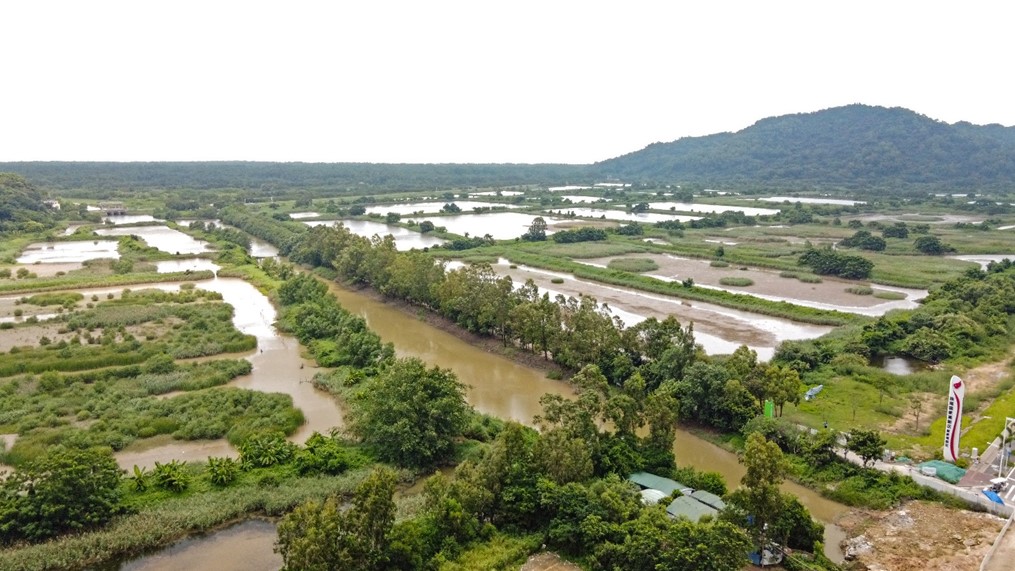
709	499
692	509
647	481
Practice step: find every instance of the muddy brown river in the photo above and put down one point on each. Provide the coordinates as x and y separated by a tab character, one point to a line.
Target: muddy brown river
497	386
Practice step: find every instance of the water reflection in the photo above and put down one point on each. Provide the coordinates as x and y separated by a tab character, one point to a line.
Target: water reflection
433	207
68	252
192	264
984	259
792	199
711	208
130	219
247	546
643	217
499	225
161	237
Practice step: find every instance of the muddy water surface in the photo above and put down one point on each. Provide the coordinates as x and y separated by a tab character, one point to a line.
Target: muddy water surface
66	252
278	367
509	390
497	385
247	546
162	237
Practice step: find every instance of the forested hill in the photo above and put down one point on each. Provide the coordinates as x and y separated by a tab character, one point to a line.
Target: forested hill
856	146
281	176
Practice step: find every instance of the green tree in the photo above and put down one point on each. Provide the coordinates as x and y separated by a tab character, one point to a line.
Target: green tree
782	385
537	230
411	414
563	458
66	490
758	495
301	288
867	444
931	245
322	537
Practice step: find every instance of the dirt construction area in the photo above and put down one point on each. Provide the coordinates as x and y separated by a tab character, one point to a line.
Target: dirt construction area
918	536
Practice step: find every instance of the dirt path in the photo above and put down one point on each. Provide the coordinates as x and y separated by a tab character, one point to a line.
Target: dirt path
920	536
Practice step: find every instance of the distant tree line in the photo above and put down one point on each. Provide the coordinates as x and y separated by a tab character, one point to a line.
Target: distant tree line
267	177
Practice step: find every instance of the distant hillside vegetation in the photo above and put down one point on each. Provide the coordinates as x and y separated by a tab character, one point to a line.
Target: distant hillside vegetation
21	206
856	146
276	176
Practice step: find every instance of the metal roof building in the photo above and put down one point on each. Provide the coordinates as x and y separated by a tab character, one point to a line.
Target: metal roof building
709	499
645	480
651	497
692	509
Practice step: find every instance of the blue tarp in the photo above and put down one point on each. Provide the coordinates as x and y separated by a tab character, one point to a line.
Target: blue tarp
813	392
993	497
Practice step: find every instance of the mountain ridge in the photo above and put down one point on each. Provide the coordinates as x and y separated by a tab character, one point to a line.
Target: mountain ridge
850	146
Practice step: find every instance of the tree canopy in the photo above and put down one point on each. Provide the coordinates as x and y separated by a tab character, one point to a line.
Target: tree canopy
411	414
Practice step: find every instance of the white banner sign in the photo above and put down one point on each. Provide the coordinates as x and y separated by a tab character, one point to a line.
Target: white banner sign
953	418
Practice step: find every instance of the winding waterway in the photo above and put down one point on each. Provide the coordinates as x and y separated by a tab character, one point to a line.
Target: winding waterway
497	386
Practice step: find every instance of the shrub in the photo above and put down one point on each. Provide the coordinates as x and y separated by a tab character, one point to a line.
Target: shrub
860	290
171	476
725	264
222	471
263	450
635	265
738	282
557	280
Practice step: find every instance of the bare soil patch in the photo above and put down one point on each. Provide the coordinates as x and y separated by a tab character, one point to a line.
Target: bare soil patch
932	405
987	376
48	270
30	336
548	562
918	536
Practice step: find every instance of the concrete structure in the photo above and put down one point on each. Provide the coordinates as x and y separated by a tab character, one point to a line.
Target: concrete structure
113	208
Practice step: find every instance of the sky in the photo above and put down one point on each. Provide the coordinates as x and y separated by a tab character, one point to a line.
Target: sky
474	81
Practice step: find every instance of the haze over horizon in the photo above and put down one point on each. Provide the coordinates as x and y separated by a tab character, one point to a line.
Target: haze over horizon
459	82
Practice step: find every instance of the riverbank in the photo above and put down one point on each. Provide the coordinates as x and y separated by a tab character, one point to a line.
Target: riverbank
430	317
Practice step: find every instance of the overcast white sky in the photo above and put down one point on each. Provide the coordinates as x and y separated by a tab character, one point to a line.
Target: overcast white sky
472	81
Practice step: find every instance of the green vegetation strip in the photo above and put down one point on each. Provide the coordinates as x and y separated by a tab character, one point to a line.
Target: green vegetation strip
70	282
738	282
634	265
